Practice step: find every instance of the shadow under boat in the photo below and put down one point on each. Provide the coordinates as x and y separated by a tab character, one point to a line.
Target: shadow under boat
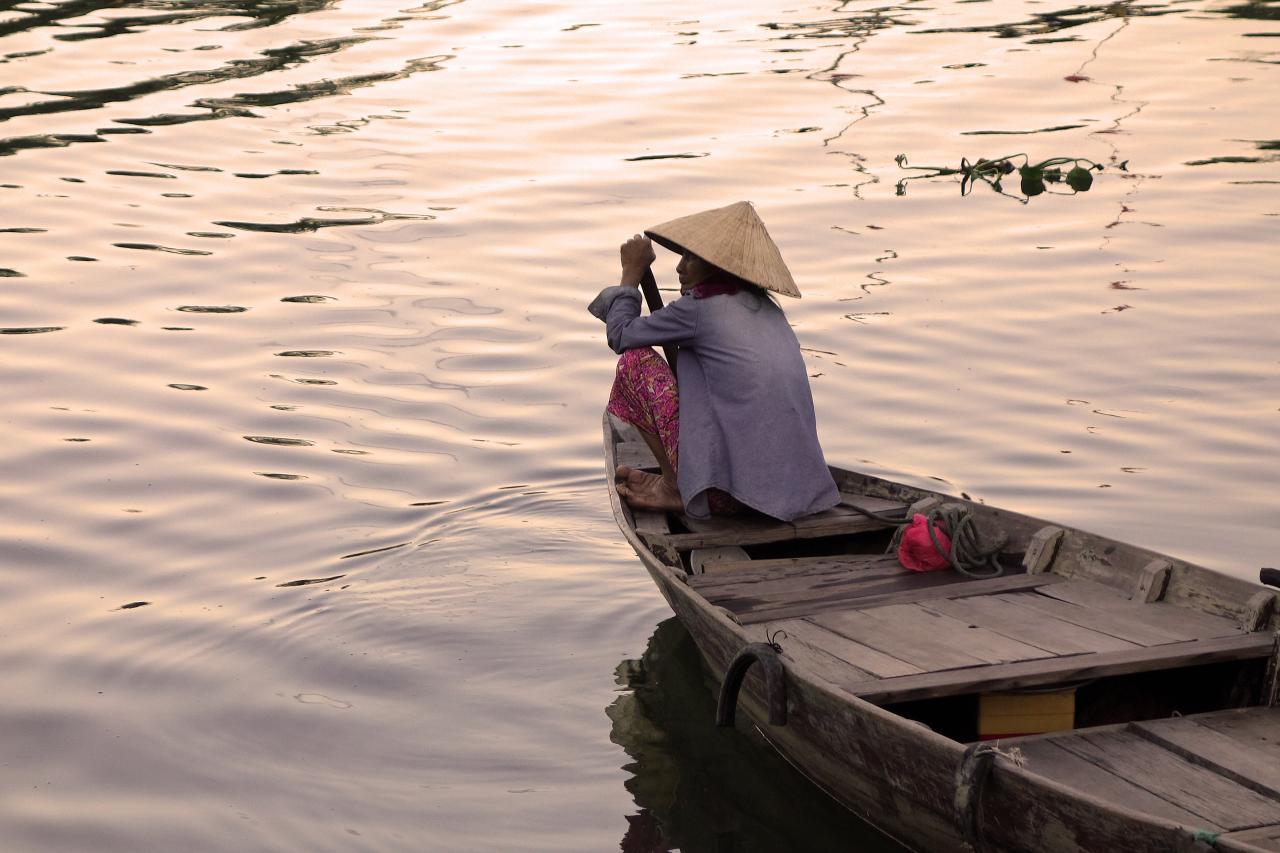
702	789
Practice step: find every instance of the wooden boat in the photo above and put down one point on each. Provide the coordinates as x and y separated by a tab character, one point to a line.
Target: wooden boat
878	679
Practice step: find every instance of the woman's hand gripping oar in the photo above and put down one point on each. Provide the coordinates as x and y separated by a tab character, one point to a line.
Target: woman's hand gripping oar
637	265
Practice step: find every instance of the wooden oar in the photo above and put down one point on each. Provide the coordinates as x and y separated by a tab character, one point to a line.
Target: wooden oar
649	286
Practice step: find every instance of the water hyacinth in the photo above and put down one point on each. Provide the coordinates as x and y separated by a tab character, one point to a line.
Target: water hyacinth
1033	178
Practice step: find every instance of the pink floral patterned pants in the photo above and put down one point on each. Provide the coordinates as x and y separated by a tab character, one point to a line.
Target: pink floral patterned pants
645	395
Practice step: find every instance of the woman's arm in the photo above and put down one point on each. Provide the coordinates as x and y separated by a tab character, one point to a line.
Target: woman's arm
675	323
619	307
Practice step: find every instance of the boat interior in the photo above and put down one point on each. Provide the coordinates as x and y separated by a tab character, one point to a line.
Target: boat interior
1108	668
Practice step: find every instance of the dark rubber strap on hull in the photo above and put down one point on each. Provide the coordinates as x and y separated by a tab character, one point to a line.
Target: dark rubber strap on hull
775	684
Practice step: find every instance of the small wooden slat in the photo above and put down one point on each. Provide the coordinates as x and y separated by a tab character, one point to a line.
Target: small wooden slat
1162	615
703	559
1034	673
859	655
1257	728
635	454
740	575
924	639
1152	582
906	594
1170	777
1046	758
1223	755
1263	838
1005	615
1042	549
651	522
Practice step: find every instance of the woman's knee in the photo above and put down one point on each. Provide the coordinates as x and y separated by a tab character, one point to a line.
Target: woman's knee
640	361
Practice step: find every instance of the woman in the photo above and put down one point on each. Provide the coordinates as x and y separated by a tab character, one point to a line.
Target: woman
740	432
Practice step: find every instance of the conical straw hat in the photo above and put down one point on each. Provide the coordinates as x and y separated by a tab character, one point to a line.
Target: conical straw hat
734	239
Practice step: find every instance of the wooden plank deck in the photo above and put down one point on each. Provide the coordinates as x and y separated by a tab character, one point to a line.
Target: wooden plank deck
1174	768
908	635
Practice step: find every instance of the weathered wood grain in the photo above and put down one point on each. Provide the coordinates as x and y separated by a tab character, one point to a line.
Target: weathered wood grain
859	655
824	593
635	454
908	594
1227	757
1258	610
1006	615
1046	758
761	530
1033	673
1262	838
1162	616
745	571
1216	594
1152	581
1041	550
1189	786
928	640
705	560
797	651
1257	728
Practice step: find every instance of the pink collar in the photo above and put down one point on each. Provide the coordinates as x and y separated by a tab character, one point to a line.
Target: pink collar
715	287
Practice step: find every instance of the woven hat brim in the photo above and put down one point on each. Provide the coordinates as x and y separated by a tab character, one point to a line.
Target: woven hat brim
735	240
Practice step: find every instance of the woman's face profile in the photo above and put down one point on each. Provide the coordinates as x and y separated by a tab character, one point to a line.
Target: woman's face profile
692	270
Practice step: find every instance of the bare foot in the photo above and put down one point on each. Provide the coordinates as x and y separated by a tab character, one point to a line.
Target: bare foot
642	490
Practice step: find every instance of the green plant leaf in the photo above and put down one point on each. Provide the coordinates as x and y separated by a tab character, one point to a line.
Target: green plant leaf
1032	183
1080	179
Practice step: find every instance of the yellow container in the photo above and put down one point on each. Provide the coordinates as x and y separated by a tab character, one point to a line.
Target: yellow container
1011	714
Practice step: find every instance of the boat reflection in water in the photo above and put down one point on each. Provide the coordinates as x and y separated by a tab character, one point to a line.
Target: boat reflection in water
701	789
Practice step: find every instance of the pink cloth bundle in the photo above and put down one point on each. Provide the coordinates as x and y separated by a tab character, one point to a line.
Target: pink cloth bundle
916	552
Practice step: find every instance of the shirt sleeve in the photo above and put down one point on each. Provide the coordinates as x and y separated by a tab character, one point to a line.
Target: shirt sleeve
676	323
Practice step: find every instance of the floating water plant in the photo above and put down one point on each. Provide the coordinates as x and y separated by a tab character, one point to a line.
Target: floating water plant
1072	174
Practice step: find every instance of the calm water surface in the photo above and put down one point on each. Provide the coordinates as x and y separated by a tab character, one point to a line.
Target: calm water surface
302	518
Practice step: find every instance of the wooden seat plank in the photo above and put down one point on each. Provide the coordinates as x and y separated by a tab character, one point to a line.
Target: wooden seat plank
756	529
861	656
944	585
832	593
799	575
927	640
1199	744
1165	616
750	571
1120	624
1006	615
1171	777
1035	673
746	597
1046	758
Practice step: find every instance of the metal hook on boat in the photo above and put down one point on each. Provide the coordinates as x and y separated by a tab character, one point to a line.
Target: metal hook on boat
775	684
971	777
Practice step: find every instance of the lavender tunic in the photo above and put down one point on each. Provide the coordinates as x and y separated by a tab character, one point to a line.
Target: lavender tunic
747	424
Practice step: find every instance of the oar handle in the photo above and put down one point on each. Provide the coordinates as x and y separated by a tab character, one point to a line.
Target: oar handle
649	287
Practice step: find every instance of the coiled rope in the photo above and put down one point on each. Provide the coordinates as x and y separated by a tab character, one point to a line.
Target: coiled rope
967	555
